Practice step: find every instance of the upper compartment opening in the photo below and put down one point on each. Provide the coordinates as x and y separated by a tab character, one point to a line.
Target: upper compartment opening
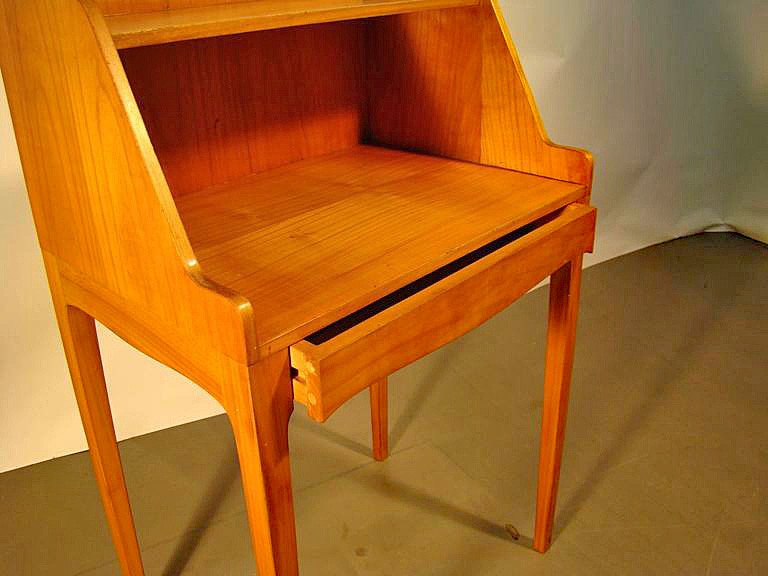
222	108
437	77
225	113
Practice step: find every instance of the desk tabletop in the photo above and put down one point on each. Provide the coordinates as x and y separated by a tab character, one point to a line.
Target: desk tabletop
312	241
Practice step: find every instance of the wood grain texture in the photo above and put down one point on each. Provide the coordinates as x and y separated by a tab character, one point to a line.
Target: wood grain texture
423	82
450	83
260	407
187	354
97	193
380	419
141	28
513	132
220	109
81	346
111	7
338	369
295	224
359	223
561	339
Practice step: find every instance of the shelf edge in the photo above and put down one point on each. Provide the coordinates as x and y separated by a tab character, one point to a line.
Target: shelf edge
133	30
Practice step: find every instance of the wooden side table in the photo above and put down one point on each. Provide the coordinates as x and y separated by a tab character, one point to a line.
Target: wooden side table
288	201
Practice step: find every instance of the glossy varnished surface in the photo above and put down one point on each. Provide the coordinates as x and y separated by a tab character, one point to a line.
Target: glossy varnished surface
222	108
663	473
184	23
274	240
311	241
449	82
331	371
100	203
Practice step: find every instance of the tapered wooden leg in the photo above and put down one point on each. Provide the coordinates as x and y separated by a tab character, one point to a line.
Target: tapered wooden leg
379	419
259	410
563	311
78	333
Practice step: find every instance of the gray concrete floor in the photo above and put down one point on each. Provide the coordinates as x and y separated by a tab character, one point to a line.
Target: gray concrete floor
665	469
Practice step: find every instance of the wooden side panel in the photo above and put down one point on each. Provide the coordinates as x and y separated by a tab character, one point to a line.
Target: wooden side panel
139	6
221	108
423	82
98	197
513	134
449	82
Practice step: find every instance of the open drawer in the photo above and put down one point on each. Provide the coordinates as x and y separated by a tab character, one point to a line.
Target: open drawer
346	357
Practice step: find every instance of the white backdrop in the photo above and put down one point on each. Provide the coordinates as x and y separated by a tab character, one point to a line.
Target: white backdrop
670	96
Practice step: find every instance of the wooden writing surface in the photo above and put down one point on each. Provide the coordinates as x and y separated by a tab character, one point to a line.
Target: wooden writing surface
242	176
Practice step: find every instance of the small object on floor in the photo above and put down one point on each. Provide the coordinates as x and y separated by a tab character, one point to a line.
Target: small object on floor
512	531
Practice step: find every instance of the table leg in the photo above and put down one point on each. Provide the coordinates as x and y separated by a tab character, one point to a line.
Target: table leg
78	332
379	419
259	408
563	312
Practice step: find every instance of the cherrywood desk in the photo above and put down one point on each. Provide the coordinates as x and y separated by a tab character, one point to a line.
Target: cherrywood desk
288	201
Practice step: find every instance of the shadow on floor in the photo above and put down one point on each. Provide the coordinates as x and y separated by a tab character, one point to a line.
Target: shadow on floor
207	508
670	370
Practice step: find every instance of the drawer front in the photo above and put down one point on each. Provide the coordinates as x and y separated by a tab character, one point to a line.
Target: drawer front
330	371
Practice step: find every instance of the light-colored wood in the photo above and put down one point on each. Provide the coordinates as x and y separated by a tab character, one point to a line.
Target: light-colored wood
112	7
98	195
338	369
279	219
189	355
260	407
224	108
158	27
561	338
450	83
300	391
360	223
424	82
78	334
111	238
380	419
513	133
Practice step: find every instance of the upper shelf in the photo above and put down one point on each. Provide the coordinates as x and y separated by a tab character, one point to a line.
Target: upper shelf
312	241
130	30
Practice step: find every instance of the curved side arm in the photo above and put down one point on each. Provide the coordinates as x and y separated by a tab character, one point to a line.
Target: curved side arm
100	202
513	134
449	82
